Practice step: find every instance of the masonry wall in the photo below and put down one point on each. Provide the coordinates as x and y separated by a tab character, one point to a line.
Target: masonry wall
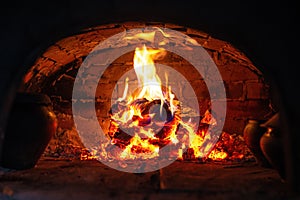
55	71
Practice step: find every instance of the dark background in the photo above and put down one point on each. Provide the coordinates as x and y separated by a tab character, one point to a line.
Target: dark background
264	30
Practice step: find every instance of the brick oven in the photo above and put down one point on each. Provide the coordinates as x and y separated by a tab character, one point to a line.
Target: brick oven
252	92
55	71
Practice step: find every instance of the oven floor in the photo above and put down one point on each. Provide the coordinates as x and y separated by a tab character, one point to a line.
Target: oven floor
63	179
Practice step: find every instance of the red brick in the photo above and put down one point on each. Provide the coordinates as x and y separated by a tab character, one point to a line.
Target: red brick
229	49
132	25
243	73
62	87
200	105
111	31
104	91
214	44
58	55
204	105
237	72
43	62
234	90
200	40
114	72
257	109
85	109
106	26
257	90
65	121
234	125
102	109
132	86
62	106
216	56
186	69
77	45
193	32
200	89
173	26
127	57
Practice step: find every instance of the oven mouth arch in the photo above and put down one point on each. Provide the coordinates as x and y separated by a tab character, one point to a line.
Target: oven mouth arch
249	34
107	27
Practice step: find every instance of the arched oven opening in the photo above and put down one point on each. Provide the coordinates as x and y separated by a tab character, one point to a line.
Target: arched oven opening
54	73
251	96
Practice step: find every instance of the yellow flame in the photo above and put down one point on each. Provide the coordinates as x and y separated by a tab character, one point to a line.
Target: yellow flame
217	155
196	142
139	148
145	36
149	82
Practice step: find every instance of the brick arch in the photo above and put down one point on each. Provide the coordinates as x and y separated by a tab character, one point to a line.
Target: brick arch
54	73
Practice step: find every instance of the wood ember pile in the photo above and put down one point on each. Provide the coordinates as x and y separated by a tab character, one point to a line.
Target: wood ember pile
232	145
122	139
64	149
235	147
66	144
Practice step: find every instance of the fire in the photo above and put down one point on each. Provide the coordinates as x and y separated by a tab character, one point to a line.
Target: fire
138	146
138	126
217	155
135	116
146	120
196	141
144	67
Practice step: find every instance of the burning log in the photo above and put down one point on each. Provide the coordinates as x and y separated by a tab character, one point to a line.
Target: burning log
156	116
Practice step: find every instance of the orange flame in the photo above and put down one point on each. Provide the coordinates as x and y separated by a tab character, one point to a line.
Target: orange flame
150	89
144	67
140	148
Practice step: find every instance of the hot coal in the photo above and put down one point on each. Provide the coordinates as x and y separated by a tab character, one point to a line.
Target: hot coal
155	115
